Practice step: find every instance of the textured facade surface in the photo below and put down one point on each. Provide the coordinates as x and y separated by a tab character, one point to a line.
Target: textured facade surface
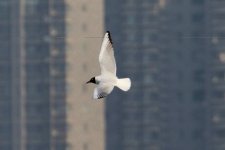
217	74
173	52
46	55
84	36
134	119
33	114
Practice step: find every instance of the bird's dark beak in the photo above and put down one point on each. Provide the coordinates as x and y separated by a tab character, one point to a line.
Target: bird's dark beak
88	82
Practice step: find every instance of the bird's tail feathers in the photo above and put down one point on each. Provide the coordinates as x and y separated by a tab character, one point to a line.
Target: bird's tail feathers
124	84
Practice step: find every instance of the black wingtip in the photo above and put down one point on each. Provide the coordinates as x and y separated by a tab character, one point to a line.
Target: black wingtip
100	97
110	39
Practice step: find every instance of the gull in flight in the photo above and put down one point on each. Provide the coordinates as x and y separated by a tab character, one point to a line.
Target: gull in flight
108	79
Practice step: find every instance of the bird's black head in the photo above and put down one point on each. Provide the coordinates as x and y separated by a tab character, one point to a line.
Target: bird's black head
92	80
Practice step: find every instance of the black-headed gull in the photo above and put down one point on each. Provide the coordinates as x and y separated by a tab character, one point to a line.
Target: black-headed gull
108	79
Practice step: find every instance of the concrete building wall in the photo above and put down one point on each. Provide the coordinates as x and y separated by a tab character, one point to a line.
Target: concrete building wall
85	29
46	58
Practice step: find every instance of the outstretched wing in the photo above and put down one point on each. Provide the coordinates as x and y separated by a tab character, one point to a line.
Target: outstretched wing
102	90
106	56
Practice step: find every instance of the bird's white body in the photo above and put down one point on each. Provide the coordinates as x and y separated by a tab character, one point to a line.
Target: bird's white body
108	79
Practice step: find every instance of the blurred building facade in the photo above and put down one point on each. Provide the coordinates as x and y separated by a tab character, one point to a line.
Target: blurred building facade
172	50
216	17
38	67
189	81
137	120
32	75
85	117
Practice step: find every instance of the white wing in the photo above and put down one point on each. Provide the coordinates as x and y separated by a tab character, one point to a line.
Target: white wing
106	56
102	90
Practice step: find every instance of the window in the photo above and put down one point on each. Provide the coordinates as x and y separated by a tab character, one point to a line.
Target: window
219	75
179	37
130	2
59	87
37	91
38	131
6	146
4	10
197	36
60	146
180	95
220	34
220	132
155	96
155	134
199	76
179	17
154	37
37	52
198	115
218	94
4	3
31	2
146	39
197	17
37	71
5	69
198	2
5	130
131	37
145	19
5	32
5	111
39	146
36	128
197	134
59	67
130	20
180	76
199	95
37	111
148	79
59	28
